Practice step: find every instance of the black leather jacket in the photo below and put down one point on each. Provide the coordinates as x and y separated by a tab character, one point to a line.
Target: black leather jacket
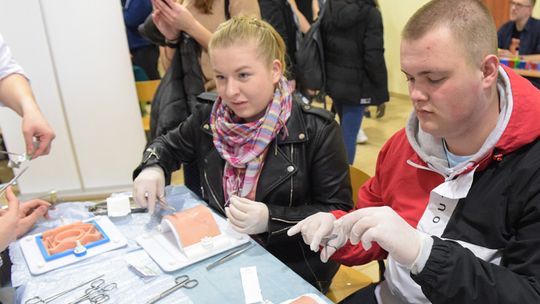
304	172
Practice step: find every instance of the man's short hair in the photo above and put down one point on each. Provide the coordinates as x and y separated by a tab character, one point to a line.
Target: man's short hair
533	2
469	21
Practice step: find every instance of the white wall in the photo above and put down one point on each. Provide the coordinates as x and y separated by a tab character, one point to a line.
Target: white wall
75	53
395	15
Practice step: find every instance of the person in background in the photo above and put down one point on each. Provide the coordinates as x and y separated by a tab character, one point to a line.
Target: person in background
199	19
267	160
520	35
15	93
455	201
144	54
356	76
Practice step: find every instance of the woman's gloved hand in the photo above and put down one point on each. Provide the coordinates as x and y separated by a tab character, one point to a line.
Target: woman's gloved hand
247	216
148	186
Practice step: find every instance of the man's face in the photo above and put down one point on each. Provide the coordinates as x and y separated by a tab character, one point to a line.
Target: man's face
445	88
520	10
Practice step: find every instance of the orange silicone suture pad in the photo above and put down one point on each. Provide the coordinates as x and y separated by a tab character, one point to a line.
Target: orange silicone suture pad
194	224
65	237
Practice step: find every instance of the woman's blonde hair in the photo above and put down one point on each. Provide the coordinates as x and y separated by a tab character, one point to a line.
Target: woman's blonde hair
270	45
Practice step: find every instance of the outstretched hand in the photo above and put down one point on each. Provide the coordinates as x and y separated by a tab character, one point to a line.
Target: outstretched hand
8	220
29	213
318	231
384	226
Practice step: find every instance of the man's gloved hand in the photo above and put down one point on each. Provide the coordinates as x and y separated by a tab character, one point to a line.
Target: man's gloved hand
149	185
247	216
318	231
384	226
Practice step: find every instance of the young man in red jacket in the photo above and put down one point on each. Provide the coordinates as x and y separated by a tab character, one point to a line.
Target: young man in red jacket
455	201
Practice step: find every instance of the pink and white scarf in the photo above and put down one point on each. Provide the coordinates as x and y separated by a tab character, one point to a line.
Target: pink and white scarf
243	144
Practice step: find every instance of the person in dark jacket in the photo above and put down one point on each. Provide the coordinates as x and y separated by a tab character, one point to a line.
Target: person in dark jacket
144	54
454	205
520	35
356	74
267	161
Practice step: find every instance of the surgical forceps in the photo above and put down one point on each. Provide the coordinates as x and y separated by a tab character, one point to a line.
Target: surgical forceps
97	292
12	181
39	300
19	158
181	281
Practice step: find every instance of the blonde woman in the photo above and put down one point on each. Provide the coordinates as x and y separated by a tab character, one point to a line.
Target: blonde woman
266	161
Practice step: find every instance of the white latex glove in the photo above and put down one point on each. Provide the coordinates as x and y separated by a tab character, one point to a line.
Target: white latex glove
247	216
317	231
384	226
149	185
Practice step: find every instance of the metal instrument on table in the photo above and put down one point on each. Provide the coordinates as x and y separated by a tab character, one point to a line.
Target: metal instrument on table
163	204
159	211
12	181
98	292
236	252
181	281
40	300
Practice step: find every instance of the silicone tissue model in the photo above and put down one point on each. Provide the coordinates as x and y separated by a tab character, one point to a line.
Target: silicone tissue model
65	237
193	225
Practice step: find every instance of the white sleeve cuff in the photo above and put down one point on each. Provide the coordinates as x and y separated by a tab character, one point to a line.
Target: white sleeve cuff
425	250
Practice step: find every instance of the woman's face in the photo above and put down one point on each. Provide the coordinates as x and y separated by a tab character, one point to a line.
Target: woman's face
245	81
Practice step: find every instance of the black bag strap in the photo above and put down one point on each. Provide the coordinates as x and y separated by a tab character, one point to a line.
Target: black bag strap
227	12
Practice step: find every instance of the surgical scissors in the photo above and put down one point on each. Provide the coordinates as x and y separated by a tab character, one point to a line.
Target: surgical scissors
181	281
97	292
39	300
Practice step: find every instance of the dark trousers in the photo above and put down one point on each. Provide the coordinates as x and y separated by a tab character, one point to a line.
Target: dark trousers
147	58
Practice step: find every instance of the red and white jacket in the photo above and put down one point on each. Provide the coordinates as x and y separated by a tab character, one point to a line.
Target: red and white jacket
483	215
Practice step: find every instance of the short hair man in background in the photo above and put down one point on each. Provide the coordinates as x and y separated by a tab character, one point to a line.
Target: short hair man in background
520	35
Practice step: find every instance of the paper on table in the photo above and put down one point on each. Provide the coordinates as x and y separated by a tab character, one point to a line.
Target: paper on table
250	284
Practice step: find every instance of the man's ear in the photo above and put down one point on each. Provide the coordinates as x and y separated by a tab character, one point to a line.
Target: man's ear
277	71
490	70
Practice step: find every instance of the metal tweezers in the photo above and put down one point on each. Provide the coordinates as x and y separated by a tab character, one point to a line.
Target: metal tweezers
231	255
12	181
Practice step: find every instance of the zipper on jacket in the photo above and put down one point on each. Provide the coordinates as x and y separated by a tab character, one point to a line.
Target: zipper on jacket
212	192
292	178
